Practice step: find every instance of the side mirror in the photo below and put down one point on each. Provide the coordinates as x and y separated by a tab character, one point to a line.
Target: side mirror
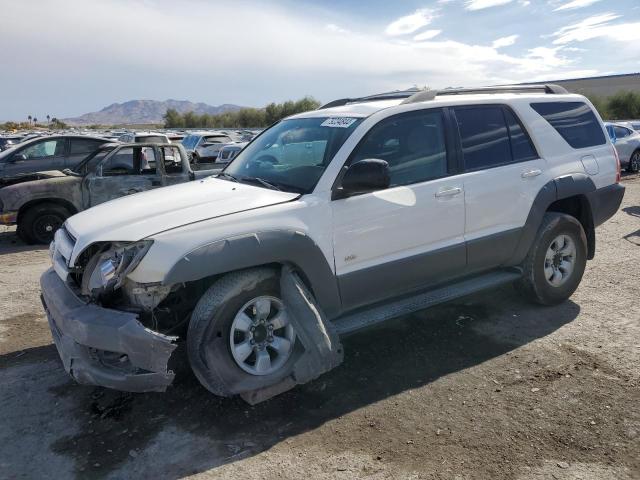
365	176
18	158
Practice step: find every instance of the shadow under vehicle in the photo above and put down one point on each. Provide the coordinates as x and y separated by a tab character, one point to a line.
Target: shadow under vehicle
39	203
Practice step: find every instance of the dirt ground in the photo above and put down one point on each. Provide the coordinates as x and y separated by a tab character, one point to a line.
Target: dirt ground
486	387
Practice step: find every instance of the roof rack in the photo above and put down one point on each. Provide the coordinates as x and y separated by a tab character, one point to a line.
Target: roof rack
398	94
426	95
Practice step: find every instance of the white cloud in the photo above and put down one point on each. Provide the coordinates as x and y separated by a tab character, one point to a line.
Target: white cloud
89	63
482	4
598	26
505	41
410	23
576	4
427	35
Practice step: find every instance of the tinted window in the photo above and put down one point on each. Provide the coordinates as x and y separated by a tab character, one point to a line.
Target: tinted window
521	146
574	121
484	137
412	144
621	132
151	139
218	139
80	146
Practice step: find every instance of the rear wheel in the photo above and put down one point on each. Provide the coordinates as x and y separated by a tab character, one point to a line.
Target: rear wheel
240	337
634	162
39	223
555	264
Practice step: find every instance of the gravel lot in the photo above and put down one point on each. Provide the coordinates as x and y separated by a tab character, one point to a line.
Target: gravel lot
486	387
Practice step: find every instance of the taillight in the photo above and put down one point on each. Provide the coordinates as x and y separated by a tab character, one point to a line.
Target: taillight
618	168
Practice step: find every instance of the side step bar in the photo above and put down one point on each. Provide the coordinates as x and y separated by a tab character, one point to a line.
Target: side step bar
374	315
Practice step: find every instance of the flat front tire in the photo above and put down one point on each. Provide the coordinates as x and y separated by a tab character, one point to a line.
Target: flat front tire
240	338
556	261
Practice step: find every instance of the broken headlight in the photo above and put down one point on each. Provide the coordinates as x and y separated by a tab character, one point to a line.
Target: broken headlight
107	270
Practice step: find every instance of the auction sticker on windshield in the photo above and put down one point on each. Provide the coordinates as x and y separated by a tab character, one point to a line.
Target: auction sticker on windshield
338	122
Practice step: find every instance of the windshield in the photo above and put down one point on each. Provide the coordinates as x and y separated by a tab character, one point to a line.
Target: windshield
293	154
190	141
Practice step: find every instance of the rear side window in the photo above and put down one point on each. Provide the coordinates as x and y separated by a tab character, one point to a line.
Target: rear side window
80	146
574	121
484	137
521	147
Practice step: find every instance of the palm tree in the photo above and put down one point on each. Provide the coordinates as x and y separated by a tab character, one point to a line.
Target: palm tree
48	119
35	120
29	117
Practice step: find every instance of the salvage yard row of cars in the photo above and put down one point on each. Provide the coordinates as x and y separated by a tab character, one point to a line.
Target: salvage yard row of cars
45	179
328	222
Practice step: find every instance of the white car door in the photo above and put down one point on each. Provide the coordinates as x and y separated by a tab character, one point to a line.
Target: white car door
410	235
503	174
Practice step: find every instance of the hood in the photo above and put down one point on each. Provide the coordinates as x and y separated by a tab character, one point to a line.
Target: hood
144	214
29	177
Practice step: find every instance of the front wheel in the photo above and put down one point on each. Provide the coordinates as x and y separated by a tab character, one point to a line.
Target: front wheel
39	223
634	162
556	261
240	337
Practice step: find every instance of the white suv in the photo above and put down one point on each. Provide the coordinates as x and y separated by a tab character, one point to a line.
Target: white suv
328	222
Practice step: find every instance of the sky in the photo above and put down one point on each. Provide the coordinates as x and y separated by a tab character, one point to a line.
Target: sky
68	57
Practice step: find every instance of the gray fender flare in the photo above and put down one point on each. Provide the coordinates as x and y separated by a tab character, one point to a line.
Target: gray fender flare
554	190
287	247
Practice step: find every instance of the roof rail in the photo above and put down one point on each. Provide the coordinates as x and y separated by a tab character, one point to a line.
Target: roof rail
426	95
399	94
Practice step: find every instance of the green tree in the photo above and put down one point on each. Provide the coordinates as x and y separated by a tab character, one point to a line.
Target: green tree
243	118
624	105
172	119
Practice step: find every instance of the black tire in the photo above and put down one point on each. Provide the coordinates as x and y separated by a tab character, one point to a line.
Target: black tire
208	345
40	222
634	162
534	285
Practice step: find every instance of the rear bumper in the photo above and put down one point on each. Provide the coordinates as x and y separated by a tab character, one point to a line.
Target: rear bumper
605	202
100	346
8	218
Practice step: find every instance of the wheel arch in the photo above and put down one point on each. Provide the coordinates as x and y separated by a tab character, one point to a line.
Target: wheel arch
271	248
40	201
566	194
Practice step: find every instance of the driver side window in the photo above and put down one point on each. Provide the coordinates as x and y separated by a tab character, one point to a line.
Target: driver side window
413	144
45	149
130	161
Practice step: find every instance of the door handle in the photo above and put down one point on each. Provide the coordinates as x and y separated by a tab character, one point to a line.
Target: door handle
131	191
531	173
448	192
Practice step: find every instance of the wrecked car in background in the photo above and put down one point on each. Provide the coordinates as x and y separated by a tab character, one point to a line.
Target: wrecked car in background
39	203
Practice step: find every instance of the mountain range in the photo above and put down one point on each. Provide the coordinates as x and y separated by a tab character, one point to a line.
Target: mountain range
136	112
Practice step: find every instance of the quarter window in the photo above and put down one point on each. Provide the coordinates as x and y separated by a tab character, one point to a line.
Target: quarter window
574	121
621	132
413	144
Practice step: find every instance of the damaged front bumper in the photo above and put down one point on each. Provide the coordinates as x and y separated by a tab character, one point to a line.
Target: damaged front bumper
106	347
